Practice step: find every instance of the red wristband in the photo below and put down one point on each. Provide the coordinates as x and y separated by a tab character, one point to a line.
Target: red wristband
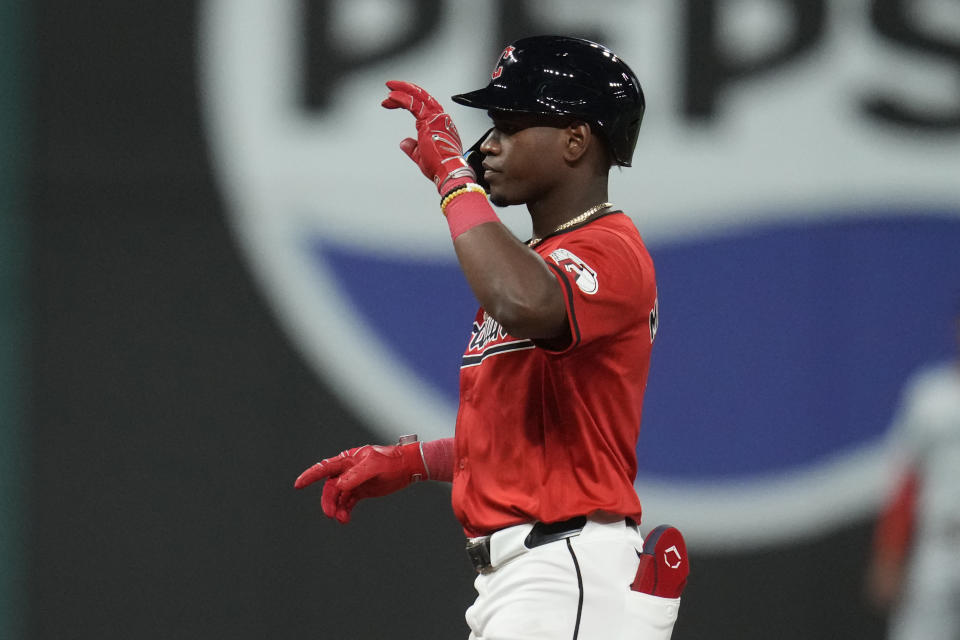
468	210
438	458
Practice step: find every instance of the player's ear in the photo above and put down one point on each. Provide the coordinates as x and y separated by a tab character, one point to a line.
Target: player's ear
577	139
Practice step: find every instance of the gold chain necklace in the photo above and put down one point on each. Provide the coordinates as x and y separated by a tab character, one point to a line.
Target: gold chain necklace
569	223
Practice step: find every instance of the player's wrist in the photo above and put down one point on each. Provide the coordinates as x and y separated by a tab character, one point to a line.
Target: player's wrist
460	187
456	179
411	453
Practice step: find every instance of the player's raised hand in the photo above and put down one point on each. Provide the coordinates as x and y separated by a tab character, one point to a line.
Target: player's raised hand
437	150
363	472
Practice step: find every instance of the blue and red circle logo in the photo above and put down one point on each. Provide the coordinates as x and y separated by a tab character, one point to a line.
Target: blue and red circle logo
806	259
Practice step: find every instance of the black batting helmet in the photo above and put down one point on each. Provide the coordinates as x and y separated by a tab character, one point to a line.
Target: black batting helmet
558	75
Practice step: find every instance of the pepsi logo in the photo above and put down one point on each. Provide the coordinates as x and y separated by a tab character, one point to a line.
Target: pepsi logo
803	221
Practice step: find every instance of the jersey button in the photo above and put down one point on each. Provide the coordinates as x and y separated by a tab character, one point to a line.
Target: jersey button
463	463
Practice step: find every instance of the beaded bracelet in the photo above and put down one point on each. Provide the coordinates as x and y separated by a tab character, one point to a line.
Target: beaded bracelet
467	188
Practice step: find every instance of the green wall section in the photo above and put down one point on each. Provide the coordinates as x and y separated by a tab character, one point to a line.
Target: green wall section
12	315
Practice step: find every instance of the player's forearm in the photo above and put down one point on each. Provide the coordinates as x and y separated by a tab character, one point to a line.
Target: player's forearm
511	282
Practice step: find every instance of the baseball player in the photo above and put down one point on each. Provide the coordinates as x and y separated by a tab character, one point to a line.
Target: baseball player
555	367
915	568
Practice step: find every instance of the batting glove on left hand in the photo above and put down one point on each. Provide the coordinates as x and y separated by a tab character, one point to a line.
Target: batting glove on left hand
363	472
437	150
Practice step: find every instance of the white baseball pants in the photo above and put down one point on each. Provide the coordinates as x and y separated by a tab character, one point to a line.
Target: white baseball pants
572	589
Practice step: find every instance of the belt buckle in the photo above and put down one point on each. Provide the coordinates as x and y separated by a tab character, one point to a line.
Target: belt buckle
479	551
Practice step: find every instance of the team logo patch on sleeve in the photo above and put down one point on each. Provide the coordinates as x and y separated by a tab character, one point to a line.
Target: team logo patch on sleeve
586	277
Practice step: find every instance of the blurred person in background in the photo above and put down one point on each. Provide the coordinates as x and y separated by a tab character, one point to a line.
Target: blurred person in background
914	571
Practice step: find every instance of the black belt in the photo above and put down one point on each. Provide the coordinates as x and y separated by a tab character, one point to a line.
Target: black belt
542	533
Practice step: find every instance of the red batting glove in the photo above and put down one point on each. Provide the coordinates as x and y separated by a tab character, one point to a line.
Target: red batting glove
437	150
363	472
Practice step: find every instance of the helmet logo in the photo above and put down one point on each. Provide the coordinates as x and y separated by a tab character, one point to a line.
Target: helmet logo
503	56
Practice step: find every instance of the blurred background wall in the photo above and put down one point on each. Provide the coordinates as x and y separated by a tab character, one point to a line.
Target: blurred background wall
216	268
13	316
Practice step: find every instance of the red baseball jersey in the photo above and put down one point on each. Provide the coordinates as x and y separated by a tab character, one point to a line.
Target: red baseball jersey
548	435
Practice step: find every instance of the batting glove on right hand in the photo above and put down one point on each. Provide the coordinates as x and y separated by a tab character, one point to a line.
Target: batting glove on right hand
437	150
363	472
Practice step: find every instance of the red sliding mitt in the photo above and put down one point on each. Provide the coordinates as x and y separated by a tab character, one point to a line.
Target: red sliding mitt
664	564
437	150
